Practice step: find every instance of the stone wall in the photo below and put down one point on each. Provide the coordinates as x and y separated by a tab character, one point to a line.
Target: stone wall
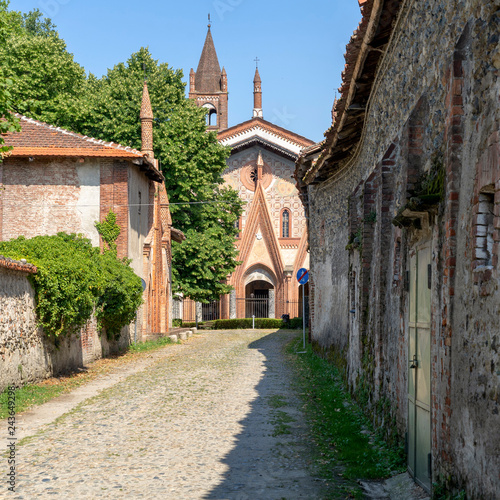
26	355
434	105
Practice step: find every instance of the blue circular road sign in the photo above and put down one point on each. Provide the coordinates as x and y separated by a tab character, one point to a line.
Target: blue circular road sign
303	276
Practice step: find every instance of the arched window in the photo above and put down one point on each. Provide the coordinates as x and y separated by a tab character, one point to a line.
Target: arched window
211	118
285	224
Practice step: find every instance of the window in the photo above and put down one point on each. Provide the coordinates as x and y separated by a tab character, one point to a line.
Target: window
484	228
237	227
211	118
285	224
140	203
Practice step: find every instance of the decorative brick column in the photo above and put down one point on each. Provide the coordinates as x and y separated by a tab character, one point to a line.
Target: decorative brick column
272	303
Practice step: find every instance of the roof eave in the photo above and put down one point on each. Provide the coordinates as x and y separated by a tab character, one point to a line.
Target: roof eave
362	62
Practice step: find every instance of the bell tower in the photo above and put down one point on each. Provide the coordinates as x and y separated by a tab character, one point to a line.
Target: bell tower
257	95
208	85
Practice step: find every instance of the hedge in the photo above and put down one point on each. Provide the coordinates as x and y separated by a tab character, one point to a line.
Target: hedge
246	323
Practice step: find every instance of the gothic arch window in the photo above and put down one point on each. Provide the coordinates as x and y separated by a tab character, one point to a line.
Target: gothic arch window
211	118
286	223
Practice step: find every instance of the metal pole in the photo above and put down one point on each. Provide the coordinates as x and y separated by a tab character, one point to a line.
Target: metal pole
304	316
253	322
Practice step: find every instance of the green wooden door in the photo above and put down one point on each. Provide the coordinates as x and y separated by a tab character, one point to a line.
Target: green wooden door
419	371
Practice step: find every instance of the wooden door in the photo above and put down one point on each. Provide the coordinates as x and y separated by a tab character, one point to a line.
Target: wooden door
419	371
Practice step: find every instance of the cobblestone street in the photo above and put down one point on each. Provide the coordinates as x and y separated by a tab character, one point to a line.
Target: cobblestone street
206	420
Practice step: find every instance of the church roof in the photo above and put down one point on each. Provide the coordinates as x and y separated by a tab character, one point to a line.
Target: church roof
40	139
260	130
208	74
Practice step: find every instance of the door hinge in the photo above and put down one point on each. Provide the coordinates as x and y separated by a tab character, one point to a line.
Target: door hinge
429	276
407	281
429	465
406	443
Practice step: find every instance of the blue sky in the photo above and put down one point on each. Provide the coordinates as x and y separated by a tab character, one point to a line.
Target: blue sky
300	45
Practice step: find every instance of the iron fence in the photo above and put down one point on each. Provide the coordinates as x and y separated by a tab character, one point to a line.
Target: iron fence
185	309
253	307
294	308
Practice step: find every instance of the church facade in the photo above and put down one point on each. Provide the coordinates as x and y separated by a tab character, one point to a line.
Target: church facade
272	241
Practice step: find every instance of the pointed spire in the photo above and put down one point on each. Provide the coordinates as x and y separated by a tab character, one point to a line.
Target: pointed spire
146	110
257	95
146	123
192	86
208	74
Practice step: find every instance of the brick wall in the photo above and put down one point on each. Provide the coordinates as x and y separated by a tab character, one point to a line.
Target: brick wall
48	196
114	196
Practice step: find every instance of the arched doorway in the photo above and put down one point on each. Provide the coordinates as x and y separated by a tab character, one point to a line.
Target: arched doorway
259	289
257	299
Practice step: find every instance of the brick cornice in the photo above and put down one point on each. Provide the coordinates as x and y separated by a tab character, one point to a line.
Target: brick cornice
260	123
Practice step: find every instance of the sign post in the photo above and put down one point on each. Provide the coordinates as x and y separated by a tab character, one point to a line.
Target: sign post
303	278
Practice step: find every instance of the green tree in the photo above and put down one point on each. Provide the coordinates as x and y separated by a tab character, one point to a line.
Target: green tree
191	160
47	82
50	86
8	122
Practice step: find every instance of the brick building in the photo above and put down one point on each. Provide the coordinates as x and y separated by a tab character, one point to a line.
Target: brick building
54	180
272	240
404	217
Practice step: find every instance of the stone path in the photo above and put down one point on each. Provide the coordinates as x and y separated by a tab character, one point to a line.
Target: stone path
206	420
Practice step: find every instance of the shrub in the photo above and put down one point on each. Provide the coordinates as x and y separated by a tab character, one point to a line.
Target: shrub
74	279
121	294
246	323
295	323
176	322
192	324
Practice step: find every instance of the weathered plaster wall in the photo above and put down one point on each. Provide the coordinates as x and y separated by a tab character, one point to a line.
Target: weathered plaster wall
436	99
139	221
45	197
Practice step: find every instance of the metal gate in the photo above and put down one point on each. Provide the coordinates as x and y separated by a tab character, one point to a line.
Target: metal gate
254	307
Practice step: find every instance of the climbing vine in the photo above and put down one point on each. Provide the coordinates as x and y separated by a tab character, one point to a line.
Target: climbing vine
109	230
73	280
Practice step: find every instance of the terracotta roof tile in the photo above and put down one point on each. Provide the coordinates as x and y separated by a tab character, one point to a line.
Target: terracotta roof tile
40	139
348	112
17	265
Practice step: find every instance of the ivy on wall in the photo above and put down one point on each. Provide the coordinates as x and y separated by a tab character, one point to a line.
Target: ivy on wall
73	280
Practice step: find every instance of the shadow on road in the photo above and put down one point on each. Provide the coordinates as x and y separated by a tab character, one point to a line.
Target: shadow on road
271	454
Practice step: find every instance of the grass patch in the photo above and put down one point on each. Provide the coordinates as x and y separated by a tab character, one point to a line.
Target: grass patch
37	394
280	420
276	401
150	345
341	433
